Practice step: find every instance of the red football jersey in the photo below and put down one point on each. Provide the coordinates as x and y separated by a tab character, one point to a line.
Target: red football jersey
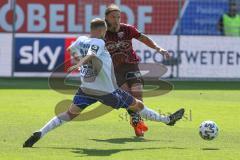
119	44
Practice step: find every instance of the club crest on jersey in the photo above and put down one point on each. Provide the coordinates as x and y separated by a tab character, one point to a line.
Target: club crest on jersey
120	34
94	48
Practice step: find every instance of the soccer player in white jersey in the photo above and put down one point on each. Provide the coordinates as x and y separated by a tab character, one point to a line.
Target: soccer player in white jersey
98	83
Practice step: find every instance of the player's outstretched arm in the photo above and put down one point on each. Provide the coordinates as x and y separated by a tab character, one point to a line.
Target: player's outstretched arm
73	54
150	43
82	61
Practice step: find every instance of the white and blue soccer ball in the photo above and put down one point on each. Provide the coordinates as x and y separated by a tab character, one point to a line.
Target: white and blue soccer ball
208	130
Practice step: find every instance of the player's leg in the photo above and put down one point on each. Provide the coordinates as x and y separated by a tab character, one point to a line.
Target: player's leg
135	117
136	89
149	114
121	99
138	106
125	87
60	119
80	102
154	116
135	81
135	85
55	122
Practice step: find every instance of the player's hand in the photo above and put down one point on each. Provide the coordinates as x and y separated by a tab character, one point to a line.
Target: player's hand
72	68
164	52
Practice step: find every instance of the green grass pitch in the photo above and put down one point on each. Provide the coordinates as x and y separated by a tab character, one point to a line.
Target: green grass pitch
27	104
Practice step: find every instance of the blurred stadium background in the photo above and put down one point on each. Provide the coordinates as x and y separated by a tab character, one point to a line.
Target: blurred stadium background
35	44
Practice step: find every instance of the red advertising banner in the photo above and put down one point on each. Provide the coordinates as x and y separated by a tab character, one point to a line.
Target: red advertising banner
67	55
74	16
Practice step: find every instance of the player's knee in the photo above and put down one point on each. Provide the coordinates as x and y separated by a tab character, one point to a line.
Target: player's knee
137	106
125	87
136	91
73	111
72	115
137	95
140	105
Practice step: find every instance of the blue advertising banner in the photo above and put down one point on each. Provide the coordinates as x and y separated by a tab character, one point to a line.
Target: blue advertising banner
38	54
200	17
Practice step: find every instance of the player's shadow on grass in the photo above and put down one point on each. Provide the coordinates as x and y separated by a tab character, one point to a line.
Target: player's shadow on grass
83	152
102	152
210	149
125	140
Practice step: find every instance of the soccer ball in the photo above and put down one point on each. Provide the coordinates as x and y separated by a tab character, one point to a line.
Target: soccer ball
208	130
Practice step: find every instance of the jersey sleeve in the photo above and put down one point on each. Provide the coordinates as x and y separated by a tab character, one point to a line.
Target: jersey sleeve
96	48
74	48
135	33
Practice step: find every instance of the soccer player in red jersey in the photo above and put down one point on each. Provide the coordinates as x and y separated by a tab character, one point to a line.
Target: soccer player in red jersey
119	43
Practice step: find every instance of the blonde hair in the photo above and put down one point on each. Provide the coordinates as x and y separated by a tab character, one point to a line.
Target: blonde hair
112	7
97	23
